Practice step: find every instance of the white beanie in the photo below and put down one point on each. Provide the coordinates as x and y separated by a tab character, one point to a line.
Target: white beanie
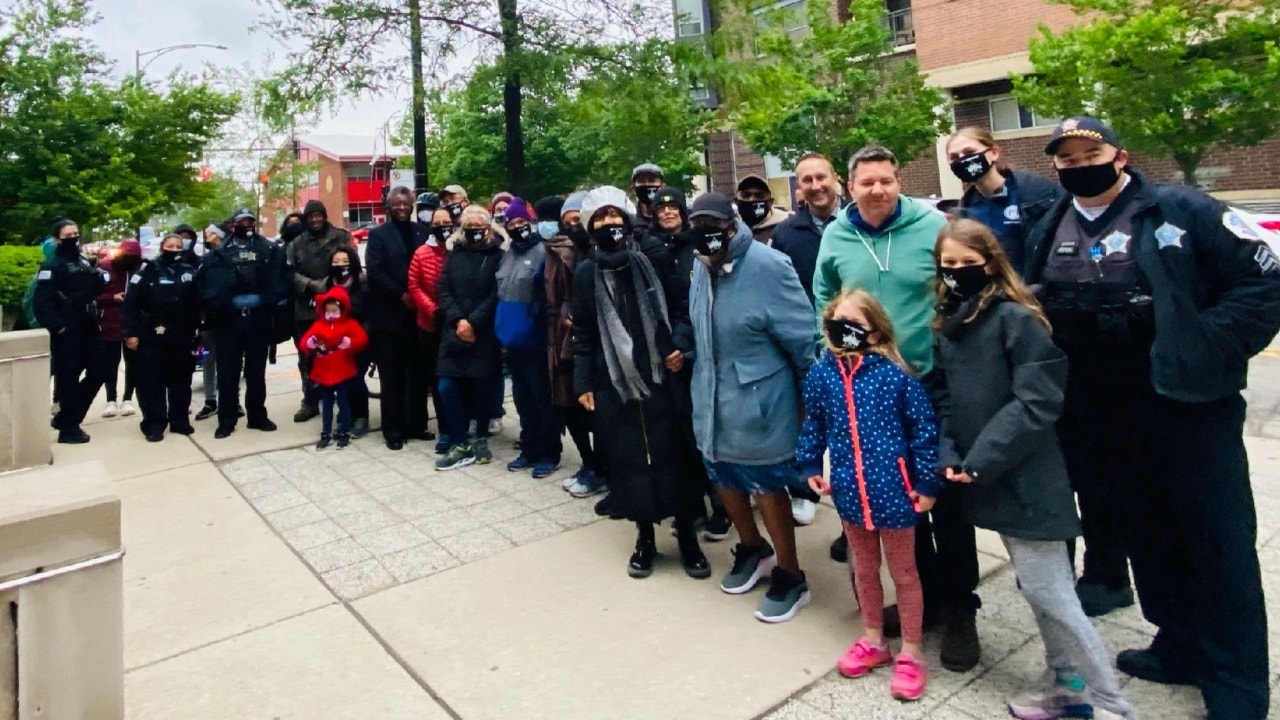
602	197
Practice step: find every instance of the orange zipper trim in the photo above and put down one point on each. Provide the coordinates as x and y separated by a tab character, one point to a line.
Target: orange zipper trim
847	376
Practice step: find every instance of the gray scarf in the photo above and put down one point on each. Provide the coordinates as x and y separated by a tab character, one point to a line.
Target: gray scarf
615	340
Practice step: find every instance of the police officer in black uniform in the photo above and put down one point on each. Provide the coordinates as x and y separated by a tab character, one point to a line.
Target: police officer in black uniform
63	302
161	314
242	284
1160	295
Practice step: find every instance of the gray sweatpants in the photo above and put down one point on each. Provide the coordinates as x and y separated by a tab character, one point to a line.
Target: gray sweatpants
1071	643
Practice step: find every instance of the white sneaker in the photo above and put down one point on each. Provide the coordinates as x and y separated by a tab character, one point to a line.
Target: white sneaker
127	409
803	510
495	426
110	410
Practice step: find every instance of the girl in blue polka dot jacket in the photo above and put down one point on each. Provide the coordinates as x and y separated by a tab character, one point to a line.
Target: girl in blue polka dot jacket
875	418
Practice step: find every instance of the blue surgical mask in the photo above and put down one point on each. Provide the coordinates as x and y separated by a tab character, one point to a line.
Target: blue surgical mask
548	229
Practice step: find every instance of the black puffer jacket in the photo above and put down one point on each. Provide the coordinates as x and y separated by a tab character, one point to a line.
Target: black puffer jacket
998	386
469	291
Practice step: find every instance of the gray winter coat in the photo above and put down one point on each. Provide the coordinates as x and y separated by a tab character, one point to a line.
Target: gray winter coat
998	389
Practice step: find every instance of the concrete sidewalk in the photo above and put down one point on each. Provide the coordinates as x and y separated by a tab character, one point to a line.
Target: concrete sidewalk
266	580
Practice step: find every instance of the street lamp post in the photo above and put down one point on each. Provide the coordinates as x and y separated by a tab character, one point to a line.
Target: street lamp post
139	66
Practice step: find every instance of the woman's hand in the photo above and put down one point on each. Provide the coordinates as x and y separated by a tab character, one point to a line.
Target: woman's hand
922	503
465	332
675	361
131	343
957	476
819	484
588	401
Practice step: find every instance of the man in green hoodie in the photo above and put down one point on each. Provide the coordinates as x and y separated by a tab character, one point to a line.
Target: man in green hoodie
883	243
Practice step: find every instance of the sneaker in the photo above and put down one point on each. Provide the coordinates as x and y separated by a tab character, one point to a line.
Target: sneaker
324	442
481	448
1097	599
750	564
209	410
443	445
961	648
127	409
110	410
862	658
586	485
803	510
718	526
343	440
495	426
787	594
458	456
909	679
306	411
520	463
360	428
545	469
573	479
1065	698
840	549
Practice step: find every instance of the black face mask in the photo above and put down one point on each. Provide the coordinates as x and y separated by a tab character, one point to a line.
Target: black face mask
455	211
711	241
291	232
340	273
965	282
475	236
169	257
971	167
69	247
609	237
1090	180
441	233
244	233
846	334
523	236
500	218
646	193
578	235
128	264
753	212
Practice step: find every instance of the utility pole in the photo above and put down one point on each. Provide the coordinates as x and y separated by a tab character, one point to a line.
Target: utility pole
420	175
511	99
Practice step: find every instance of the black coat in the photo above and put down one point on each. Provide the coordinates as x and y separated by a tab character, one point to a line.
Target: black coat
798	238
468	291
387	268
63	293
998	386
640	441
162	295
1036	196
218	281
1216	295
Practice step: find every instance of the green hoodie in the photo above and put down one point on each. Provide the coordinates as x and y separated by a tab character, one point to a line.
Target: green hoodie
905	288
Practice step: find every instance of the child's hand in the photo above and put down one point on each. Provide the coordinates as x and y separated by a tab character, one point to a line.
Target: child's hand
344	343
922	503
818	484
958	476
312	342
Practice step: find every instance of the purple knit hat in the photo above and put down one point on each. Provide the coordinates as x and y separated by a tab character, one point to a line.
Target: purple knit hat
520	209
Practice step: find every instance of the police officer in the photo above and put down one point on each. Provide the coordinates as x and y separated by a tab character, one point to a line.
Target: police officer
63	301
242	284
1159	295
161	315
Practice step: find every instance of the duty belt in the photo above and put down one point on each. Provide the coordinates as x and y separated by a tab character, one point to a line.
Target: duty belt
1093	297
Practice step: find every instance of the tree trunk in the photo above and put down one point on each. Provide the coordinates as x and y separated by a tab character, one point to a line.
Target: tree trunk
1188	163
511	96
420	177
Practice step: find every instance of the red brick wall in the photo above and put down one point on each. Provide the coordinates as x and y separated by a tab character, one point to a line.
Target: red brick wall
920	177
950	32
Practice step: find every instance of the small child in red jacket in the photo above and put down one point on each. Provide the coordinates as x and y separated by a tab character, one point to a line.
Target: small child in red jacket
335	340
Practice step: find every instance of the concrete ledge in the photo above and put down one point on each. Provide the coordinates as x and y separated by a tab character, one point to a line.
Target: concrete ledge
24	399
56	515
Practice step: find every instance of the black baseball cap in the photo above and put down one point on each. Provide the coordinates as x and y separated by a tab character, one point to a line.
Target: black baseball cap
1081	127
712	205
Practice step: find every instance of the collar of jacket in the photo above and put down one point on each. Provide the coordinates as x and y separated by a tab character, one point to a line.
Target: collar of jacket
804	216
1144	198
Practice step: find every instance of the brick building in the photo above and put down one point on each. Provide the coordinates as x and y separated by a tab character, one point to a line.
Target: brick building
969	48
353	171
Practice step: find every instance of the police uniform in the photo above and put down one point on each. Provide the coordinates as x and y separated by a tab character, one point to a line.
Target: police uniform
242	285
161	310
64	303
1159	303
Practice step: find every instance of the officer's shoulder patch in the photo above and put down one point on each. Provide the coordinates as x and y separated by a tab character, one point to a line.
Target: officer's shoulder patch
1169	235
44	275
1267	261
1239	227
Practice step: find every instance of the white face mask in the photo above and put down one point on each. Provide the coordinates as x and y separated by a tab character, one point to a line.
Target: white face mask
331	316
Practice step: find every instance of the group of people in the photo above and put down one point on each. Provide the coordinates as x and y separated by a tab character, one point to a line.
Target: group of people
1084	341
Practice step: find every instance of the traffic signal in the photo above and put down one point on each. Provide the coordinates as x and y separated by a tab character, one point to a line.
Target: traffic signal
206	173
266	179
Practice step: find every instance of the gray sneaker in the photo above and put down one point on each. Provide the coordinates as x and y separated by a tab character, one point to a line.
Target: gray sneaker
750	564
787	594
458	456
481	448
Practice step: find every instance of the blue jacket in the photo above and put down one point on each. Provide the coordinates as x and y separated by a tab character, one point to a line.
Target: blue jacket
754	339
883	444
521	320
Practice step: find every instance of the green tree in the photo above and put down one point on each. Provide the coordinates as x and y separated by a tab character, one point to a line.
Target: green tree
831	88
76	145
585	125
223	197
1175	78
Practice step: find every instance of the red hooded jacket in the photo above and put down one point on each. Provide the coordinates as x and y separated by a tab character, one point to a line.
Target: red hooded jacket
333	365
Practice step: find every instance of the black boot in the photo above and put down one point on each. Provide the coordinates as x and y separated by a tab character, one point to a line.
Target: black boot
641	564
324	442
691	555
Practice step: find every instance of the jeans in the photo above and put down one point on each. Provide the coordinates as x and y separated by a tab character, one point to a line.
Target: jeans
329	394
531	390
463	400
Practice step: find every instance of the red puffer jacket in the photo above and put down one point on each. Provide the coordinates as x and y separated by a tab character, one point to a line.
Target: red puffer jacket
424	283
333	363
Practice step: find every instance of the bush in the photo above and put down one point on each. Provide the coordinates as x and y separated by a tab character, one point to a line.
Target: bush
18	266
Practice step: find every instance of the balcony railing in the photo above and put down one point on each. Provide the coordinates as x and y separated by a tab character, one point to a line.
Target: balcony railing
901	28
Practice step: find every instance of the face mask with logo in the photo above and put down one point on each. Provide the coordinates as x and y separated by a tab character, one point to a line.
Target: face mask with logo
522	236
846	334
609	237
646	193
965	282
441	233
752	211
1090	180
244	232
971	167
455	211
548	228
500	218
711	242
475	236
332	315
340	273
170	257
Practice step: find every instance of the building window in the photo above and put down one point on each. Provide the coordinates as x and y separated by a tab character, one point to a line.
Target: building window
359	171
902	29
791	16
1007	114
358	215
689	16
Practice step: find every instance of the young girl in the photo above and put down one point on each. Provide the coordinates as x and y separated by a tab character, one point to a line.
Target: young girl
875	418
335	339
1003	391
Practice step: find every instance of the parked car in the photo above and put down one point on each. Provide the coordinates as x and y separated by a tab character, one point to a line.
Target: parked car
360	231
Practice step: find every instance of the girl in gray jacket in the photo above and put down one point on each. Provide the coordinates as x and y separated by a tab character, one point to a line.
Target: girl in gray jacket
999	394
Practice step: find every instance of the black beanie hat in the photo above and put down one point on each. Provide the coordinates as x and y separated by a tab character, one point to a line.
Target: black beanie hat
548	208
314	206
668	195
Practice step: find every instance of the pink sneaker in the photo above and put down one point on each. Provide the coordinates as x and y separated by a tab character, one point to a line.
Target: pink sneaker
909	678
862	658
